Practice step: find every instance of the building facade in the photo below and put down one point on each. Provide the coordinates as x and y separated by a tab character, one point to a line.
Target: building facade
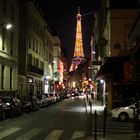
8	47
31	49
58	65
49	61
111	44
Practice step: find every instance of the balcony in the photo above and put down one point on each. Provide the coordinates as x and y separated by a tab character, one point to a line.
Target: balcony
34	69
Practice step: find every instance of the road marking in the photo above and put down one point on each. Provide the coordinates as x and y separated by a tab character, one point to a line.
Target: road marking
78	134
29	135
8	132
54	135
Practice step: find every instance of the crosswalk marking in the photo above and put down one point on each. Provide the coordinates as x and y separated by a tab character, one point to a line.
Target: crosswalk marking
30	134
8	132
54	135
78	134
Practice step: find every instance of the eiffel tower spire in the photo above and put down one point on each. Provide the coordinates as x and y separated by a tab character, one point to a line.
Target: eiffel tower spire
78	51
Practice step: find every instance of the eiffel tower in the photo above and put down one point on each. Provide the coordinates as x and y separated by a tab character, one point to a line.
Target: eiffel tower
78	51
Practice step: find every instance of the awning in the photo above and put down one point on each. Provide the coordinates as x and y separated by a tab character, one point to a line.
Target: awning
132	86
113	66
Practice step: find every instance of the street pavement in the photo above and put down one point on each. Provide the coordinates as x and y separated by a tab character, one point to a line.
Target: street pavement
66	120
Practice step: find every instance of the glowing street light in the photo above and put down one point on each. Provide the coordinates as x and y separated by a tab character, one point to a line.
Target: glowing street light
8	26
93	52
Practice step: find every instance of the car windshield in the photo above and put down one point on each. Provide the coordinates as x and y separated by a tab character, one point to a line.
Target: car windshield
39	97
134	105
46	95
7	99
51	95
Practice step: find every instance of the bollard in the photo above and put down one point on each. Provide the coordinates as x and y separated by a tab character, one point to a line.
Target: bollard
137	121
90	104
85	105
104	122
95	125
134	120
85	108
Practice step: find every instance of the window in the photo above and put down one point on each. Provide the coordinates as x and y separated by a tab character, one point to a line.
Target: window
36	46
33	44
12	41
37	62
2	76
11	77
3	38
12	11
30	41
4	6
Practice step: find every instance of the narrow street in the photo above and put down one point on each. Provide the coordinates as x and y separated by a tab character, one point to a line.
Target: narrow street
65	120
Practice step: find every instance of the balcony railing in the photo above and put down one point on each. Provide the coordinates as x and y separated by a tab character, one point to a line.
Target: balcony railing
34	69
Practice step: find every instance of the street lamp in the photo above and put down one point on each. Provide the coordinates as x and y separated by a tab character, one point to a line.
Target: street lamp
6	25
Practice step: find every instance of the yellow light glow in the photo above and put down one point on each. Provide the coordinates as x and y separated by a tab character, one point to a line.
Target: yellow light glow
78	52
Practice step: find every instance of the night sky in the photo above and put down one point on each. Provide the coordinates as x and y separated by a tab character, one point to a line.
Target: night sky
61	15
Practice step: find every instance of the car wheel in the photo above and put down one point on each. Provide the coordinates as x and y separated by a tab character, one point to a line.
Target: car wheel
3	116
123	116
11	113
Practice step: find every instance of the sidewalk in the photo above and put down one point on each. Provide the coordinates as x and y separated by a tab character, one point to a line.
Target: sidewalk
119	137
96	105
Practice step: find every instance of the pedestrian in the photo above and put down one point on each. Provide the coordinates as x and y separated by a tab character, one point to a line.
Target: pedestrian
90	104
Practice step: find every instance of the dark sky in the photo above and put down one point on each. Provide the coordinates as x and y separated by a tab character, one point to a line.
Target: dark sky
61	14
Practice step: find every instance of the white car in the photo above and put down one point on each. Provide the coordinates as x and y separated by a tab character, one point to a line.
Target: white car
125	113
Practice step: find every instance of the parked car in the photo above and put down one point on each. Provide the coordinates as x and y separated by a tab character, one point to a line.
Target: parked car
74	94
26	104
12	106
2	110
35	102
53	97
48	98
42	100
57	97
63	95
125	113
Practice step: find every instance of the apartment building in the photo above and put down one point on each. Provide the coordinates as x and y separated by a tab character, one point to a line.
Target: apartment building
31	48
49	61
8	47
113	23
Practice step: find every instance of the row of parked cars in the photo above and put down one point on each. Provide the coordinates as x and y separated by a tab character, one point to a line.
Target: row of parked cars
13	106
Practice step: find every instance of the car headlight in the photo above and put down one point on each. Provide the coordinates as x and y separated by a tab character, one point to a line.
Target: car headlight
126	107
7	103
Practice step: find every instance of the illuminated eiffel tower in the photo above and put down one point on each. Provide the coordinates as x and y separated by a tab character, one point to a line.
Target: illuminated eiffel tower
78	52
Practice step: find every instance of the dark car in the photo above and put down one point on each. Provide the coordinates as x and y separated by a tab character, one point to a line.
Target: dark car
12	106
35	103
42	100
74	94
26	104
